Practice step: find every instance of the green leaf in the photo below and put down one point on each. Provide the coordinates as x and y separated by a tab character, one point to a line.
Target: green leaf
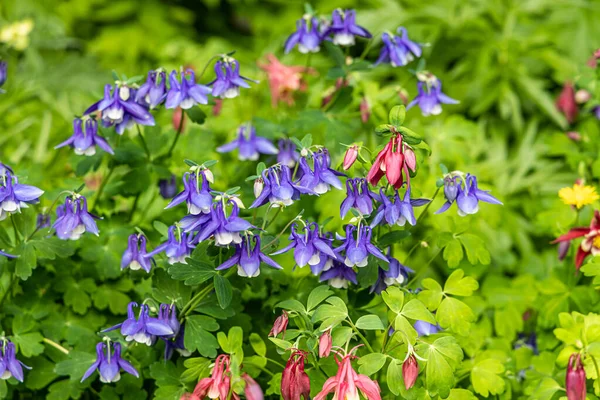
196	367
196	115
415	309
545	389
335	53
258	344
282	344
371	363
485	379
431	296
165	373
76	365
26	262
193	273
455	315
41	374
77	296
293	305
403	327
461	394
330	314
223	290
460	285
161	228
394	377
394	298
453	253
198	337
534	89
382	129
443	356
397	115
391	238
476	250
370	322
29	344
317	296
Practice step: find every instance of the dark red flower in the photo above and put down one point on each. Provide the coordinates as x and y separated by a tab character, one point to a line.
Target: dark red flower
393	161
566	102
294	381
280	325
410	371
590	243
575	382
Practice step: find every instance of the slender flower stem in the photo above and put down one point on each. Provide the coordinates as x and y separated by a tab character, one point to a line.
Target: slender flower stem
103	185
427	206
275	362
360	335
143	140
263	369
55	345
17	236
179	130
134	206
385	337
279	234
422	270
273	219
198	297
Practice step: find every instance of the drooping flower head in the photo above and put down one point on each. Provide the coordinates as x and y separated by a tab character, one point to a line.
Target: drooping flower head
177	248
591	239
344	28
109	364
154	91
424	328
168	187
143	329
394	161
400	211
196	194
398	50
225	229
248	257
357	249
321	177
43	220
119	108
84	142
295	383
310	248
218	385
229	81
396	274
250	145
579	195
350	156
278	188
187	93
73	218
167	314
463	190
284	80
252	390
346	383
410	371
134	256
280	324
358	196
325	343
176	343
308	36
10	367
338	275
430	97
15	195
287	154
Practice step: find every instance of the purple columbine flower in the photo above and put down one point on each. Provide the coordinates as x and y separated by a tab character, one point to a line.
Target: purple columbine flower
525	340
430	97
198	197
187	93
120	109
468	196
249	145
287	154
109	364
398	50
134	256
358	196
73	219
248	258
307	36
424	328
3	72
85	142
229	81
9	365
14	195
176	344
396	274
278	188
309	247
322	177
143	329
5	169
344	28
43	221
168	315
357	250
154	90
168	187
398	212
177	247
225	229
338	276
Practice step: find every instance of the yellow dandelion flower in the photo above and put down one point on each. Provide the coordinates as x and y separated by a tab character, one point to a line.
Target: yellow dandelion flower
578	195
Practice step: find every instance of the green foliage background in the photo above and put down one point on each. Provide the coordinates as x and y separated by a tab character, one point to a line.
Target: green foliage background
504	60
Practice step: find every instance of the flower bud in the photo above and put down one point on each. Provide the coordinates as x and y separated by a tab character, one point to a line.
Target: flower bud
575	383
259	185
178	120
566	102
365	110
410	159
209	175
325	344
252	389
280	325
410	371
563	249
216	111
168	187
350	156
295	383
582	96
574	136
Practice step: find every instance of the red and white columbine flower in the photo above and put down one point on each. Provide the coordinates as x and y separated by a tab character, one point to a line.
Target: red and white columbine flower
295	383
394	161
219	383
346	383
284	80
590	243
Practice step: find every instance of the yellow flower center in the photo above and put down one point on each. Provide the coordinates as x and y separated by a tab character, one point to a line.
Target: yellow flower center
596	242
578	195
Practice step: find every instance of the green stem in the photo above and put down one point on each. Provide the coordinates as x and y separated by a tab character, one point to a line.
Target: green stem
134	206
179	130
143	140
385	337
12	282
17	236
103	185
275	362
360	335
272	219
427	206
263	369
279	234
55	345
422	270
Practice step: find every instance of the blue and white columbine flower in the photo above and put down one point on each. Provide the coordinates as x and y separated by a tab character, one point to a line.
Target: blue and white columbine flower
196	195
287	154
73	219
339	275
344	28
357	249
424	328
187	93
120	109
398	50
249	145
229	81
430	97
276	187
109	364
134	256
225	229
308	36
396	274
177	248
154	90
358	196
143	329
322	177
309	247
14	195
465	193
248	258
84	142
9	365
398	212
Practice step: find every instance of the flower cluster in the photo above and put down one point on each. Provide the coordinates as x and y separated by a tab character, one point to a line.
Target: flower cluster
463	190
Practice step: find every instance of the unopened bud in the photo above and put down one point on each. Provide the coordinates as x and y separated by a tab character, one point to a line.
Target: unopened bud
365	110
574	136
280	325
209	175
350	156
575	381
259	185
304	152
410	371
238	201
325	343
410	159
582	96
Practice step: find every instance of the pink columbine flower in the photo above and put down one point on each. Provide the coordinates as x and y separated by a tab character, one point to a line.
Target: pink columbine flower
575	383
410	371
346	383
252	389
280	325
218	385
283	80
325	343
